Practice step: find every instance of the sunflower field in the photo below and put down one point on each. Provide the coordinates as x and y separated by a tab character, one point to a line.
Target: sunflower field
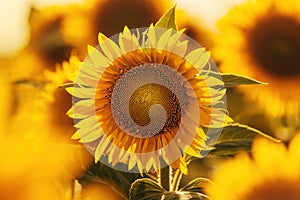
151	100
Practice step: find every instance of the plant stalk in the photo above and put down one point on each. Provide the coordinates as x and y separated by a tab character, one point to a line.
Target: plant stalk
176	180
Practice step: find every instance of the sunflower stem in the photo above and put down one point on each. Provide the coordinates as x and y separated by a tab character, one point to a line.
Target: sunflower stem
164	178
176	180
171	176
158	176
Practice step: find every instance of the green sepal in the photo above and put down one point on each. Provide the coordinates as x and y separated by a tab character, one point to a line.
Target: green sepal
168	20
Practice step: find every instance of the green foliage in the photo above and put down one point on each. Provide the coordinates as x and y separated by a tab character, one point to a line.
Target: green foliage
66	85
184	195
232	80
233	138
196	185
167	20
102	174
146	189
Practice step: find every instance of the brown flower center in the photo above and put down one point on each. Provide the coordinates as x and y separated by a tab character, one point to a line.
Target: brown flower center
151	94
113	15
274	43
49	43
147	100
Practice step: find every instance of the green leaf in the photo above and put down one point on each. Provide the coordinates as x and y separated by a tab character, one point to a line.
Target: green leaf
66	85
232	139
232	80
99	173
168	20
178	195
146	189
196	185
33	83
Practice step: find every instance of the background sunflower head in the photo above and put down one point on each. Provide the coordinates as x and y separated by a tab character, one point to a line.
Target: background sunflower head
109	18
56	101
260	39
271	173
46	37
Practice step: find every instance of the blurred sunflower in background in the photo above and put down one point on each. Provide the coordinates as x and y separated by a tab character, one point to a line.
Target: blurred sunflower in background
55	102
260	39
47	39
41	115
29	162
272	172
29	167
109	17
46	47
38	123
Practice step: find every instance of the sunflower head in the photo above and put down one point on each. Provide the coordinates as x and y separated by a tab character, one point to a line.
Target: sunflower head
142	97
133	13
47	40
109	17
55	102
264	45
272	172
274	42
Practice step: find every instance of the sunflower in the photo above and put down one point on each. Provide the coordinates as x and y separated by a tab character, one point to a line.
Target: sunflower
271	173
45	49
32	136
46	46
54	102
35	167
46	38
142	98
109	17
260	39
